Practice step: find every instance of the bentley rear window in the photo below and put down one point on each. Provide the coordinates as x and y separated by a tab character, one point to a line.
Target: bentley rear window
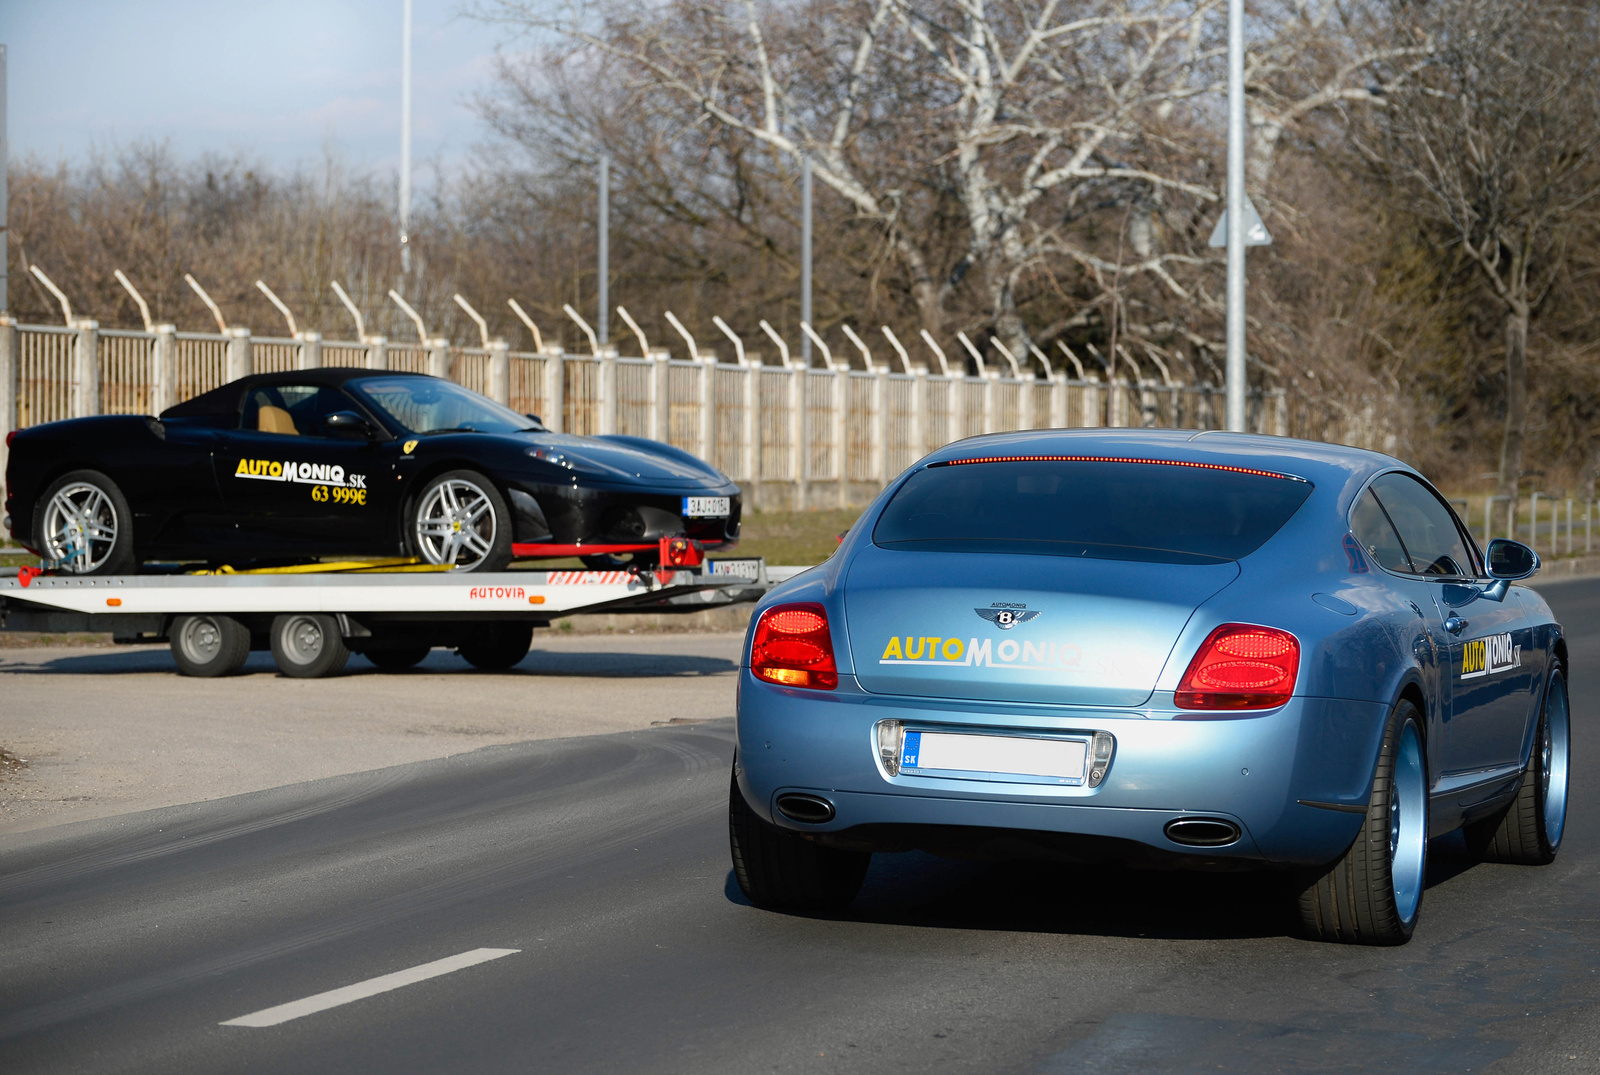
1111	510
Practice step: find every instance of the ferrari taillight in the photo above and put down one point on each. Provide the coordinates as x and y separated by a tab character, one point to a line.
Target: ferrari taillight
1241	666
792	647
11	436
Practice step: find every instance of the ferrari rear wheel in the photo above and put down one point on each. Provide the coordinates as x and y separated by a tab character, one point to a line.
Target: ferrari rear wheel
1528	832
208	646
780	870
85	527
1372	894
461	519
308	645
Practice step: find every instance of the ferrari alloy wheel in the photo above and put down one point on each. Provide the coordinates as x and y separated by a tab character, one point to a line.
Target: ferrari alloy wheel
1371	895
308	645
1528	832
782	870
85	527
461	519
208	646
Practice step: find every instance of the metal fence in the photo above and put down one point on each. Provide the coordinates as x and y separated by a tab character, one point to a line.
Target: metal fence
793	436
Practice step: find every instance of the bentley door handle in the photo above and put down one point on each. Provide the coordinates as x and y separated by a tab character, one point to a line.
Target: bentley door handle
1455	625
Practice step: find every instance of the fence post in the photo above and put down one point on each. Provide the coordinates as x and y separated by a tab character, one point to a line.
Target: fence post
555	390
608	389
839	398
439	357
377	352
310	357
880	425
797	425
750	464
708	441
86	377
240	360
164	390
9	369
500	371
988	400
919	413
660	394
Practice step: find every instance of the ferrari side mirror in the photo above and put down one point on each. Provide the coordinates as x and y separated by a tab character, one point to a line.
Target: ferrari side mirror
1511	560
347	425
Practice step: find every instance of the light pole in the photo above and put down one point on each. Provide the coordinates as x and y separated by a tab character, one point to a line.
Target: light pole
602	322
405	142
805	258
1236	374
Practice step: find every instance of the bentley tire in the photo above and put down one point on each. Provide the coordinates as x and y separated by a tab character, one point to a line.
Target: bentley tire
461	519
779	870
308	645
1528	832
398	658
85	526
497	646
1371	894
209	646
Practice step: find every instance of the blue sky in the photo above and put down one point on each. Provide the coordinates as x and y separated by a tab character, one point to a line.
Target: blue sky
280	82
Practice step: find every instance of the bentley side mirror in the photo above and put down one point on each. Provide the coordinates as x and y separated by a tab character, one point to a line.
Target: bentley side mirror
1511	560
347	425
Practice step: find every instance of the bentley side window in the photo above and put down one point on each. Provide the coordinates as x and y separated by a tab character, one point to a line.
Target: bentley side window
1427	527
1376	534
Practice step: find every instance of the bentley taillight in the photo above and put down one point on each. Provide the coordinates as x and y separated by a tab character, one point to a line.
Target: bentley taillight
792	647
1241	666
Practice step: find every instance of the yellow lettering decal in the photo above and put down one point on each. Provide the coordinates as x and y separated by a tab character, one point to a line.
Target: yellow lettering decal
892	650
244	468
953	649
276	470
914	654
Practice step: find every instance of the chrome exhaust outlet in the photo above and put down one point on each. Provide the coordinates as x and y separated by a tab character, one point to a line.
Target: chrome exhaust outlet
1202	831
806	809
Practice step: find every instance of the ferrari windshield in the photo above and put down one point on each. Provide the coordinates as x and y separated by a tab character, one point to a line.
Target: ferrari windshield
1103	509
428	405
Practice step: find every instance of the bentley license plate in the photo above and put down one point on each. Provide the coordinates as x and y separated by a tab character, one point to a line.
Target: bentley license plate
1064	760
703	507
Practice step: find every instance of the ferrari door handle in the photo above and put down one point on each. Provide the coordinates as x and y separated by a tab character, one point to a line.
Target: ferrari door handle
1455	625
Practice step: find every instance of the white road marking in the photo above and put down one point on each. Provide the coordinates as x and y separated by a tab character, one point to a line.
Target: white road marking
371	987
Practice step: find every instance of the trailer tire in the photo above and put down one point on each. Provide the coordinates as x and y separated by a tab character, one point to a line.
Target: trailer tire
208	646
398	658
497	646
308	645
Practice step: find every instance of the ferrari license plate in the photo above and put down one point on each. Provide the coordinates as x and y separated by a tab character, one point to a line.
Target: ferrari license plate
703	507
1063	760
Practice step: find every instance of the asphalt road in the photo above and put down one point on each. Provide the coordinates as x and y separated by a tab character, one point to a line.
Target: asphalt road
597	870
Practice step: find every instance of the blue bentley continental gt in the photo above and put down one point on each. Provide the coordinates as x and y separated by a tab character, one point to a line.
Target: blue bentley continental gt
1195	649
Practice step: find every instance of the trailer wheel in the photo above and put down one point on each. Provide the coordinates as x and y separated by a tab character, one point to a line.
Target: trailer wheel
398	658
308	645
497	646
209	646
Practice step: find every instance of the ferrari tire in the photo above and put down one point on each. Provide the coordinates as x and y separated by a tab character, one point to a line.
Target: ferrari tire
85	526
1528	832
208	646
308	645
497	646
461	519
779	870
398	658
1372	894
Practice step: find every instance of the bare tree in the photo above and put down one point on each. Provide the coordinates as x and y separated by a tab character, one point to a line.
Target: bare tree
1495	136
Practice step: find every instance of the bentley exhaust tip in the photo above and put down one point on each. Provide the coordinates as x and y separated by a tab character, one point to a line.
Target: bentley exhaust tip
1202	831
807	809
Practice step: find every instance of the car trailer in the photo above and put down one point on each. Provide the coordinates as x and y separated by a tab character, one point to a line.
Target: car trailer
313	617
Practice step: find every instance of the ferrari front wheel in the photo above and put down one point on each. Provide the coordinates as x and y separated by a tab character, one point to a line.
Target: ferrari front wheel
86	527
1371	894
461	519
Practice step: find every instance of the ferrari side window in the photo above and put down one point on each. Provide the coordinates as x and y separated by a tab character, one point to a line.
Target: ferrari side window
292	410
1372	528
1427	527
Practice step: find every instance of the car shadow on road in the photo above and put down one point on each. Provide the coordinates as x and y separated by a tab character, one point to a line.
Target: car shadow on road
150	660
1112	900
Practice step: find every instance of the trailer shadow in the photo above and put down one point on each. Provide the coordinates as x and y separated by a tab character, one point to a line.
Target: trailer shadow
157	660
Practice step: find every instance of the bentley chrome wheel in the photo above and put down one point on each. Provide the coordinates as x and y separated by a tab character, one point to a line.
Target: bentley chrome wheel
80	528
456	523
1408	836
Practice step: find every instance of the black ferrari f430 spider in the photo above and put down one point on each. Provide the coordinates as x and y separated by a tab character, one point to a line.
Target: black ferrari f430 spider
286	467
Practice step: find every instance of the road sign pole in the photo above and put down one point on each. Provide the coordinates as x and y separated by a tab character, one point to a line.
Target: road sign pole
1236	375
